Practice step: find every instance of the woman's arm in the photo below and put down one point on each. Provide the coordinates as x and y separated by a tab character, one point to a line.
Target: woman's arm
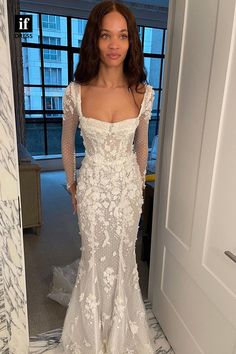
141	134
69	126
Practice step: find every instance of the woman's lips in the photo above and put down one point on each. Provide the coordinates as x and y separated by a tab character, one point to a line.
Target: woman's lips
113	56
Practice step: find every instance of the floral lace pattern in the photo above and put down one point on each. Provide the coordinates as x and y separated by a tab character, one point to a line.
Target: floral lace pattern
106	313
108	277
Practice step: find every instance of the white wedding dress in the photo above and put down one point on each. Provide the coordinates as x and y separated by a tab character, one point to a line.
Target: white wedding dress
106	313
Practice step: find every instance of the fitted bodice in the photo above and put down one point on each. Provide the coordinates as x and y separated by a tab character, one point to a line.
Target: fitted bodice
108	142
105	142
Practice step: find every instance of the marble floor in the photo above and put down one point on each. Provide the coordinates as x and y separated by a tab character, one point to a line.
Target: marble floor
45	342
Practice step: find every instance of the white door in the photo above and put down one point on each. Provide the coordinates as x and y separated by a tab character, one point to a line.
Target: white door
192	282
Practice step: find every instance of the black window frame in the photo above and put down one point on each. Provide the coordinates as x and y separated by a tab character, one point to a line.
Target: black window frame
70	53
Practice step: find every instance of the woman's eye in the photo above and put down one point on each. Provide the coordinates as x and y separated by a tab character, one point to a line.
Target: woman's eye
104	35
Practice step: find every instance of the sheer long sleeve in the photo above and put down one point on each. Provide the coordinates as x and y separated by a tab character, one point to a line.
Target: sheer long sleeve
141	134
69	125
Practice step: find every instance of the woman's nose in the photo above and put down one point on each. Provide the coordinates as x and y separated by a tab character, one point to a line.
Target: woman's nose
114	43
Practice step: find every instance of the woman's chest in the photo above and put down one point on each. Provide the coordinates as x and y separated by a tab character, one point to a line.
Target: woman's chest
109	105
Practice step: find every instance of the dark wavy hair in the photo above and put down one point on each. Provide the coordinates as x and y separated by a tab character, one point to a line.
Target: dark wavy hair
88	65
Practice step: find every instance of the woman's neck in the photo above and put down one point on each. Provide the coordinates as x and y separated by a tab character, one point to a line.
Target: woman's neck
110	78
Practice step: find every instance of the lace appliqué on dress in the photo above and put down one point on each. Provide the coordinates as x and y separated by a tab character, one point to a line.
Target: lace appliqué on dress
106	313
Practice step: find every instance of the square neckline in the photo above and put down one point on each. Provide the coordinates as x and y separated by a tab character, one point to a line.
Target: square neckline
103	121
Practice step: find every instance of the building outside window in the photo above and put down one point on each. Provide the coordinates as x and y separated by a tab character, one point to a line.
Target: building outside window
52	76
50	22
53	103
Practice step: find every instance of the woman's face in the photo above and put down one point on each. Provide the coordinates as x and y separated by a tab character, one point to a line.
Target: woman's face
113	42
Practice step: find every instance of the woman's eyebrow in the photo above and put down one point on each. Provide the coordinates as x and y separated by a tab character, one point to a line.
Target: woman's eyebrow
123	30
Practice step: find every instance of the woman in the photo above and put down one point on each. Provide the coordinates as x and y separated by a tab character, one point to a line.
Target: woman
112	106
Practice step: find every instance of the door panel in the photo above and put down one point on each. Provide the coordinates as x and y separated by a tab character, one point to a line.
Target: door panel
192	283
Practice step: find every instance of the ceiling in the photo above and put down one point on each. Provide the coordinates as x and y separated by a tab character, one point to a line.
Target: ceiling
151	13
164	3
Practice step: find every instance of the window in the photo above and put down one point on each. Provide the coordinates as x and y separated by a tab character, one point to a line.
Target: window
50	58
53	103
51	40
26	74
140	32
80	27
27	102
52	76
51	55
50	22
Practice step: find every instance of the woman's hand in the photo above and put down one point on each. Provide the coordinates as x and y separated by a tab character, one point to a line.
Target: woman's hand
72	191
